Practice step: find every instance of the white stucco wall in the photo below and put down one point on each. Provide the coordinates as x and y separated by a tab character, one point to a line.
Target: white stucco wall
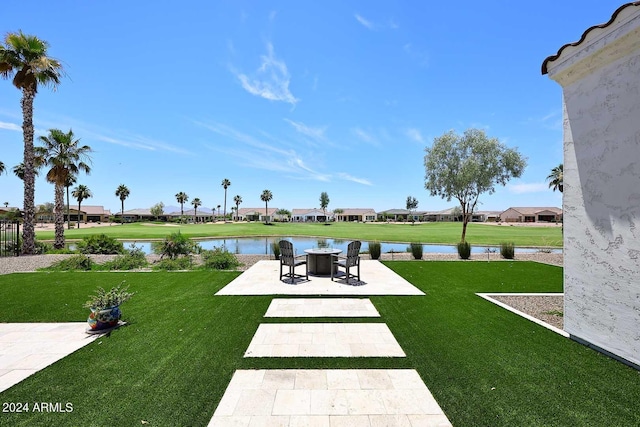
601	97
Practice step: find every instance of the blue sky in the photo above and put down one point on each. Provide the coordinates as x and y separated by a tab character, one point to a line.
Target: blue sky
297	97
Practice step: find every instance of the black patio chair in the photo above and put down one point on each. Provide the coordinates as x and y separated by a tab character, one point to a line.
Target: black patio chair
352	260
290	260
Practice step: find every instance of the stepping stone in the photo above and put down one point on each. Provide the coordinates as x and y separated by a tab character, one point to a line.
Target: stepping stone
321	307
26	348
324	340
328	397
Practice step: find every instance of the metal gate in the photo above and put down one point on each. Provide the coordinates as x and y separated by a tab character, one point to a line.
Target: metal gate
9	238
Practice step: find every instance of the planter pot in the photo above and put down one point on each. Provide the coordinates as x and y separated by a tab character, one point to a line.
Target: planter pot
104	319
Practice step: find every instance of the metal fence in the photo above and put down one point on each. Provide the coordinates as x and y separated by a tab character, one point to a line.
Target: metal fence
9	238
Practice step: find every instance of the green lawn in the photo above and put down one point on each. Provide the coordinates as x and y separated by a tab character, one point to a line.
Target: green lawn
172	363
440	233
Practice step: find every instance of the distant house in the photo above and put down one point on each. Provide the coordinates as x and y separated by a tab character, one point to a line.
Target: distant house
490	216
450	215
394	215
309	215
258	214
532	214
360	215
191	215
133	215
88	213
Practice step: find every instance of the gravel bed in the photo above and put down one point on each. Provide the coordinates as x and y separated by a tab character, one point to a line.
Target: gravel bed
549	309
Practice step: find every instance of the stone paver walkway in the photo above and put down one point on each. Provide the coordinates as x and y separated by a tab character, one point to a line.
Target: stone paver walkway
321	307
333	397
324	340
25	348
263	279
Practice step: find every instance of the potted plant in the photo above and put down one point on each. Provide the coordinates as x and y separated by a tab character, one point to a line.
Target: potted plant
105	307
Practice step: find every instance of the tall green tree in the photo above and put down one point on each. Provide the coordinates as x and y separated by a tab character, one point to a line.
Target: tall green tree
225	184
196	202
64	156
182	198
266	197
237	200
68	183
463	167
122	192
80	193
324	203
556	178
24	59
157	210
412	205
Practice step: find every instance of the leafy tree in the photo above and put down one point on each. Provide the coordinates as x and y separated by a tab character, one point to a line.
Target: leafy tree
556	178
64	155
465	166
45	210
337	212
196	202
412	204
266	197
225	184
24	57
80	193
237	200
157	209
182	198
284	212
122	192
324	202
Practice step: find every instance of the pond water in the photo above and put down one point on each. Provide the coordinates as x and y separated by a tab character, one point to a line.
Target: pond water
262	245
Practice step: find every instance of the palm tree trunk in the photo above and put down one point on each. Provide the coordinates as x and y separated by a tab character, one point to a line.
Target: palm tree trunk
79	213
28	231
68	214
59	216
122	212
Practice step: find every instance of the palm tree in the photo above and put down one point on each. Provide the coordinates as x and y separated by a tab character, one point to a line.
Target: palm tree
122	192
182	198
556	178
64	156
18	170
225	184
196	202
2	168
70	181
266	197
219	212
237	200
80	193
24	57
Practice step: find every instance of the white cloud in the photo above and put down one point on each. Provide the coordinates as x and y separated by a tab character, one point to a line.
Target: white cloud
317	133
415	135
10	126
365	23
364	136
271	79
526	188
348	177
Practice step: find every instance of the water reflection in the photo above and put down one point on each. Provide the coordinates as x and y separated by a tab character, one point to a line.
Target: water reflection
263	245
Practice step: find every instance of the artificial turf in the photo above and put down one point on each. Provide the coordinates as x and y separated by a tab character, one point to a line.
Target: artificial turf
171	364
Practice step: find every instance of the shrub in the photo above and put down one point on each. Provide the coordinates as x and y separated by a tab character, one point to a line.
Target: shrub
75	262
176	245
182	263
275	248
464	250
100	244
219	259
507	250
375	248
43	247
133	258
107	299
416	250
